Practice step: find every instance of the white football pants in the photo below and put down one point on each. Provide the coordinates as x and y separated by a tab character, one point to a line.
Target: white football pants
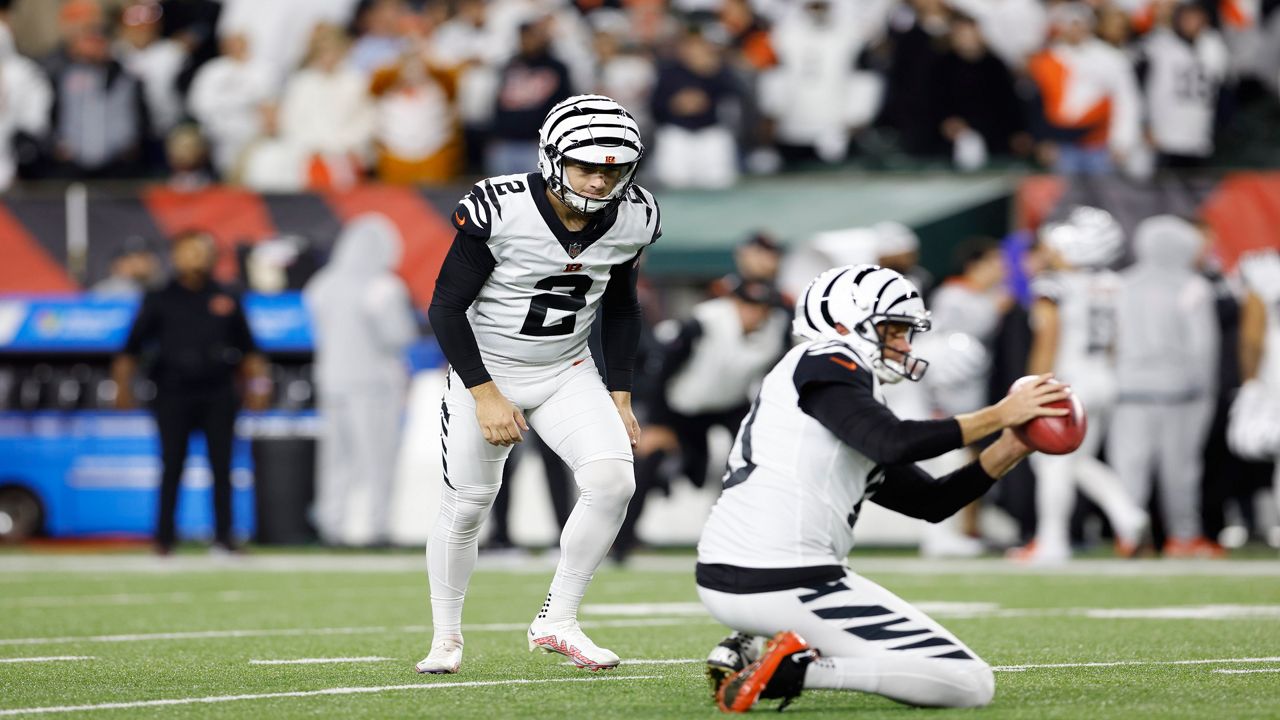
870	640
573	414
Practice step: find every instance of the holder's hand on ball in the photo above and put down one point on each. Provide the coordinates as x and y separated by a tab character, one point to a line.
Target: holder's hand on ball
1032	397
1056	423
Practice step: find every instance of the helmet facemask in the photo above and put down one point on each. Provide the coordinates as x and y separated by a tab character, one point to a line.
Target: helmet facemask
849	304
888	370
559	184
591	130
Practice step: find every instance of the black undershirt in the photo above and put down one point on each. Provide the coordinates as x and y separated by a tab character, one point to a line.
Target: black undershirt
841	398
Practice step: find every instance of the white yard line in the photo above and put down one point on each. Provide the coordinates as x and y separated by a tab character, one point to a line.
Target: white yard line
1023	668
321	661
654	661
1118	663
52	658
309	693
57	601
291	632
644	609
1247	672
395	563
202	635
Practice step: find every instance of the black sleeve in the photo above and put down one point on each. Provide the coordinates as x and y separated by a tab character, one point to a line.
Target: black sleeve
836	391
463	273
241	335
146	324
676	352
620	324
915	493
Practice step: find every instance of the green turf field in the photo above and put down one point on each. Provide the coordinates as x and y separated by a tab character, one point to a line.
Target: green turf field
188	637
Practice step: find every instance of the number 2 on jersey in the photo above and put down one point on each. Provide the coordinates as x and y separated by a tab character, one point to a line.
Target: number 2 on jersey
535	323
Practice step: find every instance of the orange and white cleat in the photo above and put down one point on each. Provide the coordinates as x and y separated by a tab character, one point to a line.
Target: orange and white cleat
1039	554
1197	547
779	673
567	639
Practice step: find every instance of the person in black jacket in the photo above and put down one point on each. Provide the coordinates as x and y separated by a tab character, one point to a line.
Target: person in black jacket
196	341
532	83
976	94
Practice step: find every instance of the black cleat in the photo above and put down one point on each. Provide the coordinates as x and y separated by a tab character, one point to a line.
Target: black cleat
730	656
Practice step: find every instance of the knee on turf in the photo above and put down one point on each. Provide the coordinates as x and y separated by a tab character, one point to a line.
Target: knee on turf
977	685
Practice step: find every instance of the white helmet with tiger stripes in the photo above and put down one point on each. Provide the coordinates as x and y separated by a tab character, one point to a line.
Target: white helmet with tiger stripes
857	298
1090	237
593	130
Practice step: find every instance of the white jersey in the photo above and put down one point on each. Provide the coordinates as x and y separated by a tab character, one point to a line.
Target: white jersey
957	306
726	363
536	309
793	490
1182	90
1086	301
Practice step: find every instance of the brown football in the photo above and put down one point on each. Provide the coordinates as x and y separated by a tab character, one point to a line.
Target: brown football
1054	435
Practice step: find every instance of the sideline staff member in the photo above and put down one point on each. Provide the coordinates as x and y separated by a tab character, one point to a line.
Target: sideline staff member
195	337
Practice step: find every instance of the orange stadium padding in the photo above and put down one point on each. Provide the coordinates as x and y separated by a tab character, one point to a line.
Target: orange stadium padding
1244	212
231	215
426	234
1036	198
25	266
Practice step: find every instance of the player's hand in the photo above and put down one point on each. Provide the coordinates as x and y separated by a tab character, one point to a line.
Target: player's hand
622	400
500	420
1028	401
1009	439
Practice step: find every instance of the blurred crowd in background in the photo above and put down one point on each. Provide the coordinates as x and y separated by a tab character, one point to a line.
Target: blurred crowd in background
319	94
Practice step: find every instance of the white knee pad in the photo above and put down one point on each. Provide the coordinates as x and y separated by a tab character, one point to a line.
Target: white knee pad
606	484
463	511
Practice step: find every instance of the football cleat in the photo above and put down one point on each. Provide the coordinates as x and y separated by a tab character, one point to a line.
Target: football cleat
729	657
567	639
779	673
1036	554
445	657
1197	547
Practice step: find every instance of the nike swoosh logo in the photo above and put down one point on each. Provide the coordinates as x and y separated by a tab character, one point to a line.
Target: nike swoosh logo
458	218
843	363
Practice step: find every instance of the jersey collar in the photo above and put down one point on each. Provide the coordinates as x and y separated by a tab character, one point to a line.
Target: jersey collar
573	242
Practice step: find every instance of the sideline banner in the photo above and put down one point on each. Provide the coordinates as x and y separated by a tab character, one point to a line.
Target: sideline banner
89	324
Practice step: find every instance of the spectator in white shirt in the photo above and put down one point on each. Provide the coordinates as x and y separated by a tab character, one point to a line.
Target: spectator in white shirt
326	123
233	102
154	60
25	99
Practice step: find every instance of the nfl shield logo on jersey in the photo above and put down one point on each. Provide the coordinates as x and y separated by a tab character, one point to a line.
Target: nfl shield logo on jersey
574	249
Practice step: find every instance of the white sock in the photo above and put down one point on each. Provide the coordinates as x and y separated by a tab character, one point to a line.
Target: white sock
452	551
1101	485
606	487
927	682
1055	499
